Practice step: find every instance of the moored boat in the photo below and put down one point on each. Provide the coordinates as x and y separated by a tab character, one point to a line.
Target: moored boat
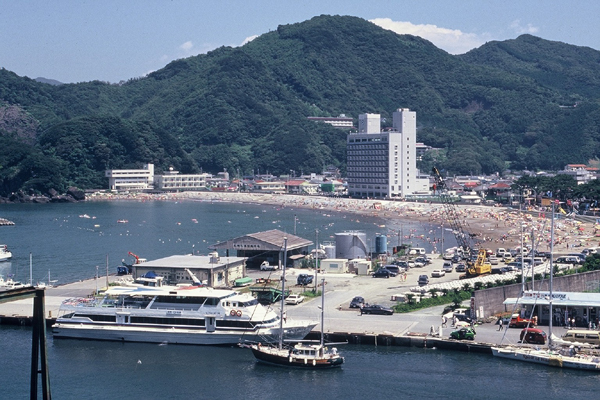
5	254
553	356
303	354
10	284
180	315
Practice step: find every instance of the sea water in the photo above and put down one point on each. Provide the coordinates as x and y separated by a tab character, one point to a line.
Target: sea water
63	241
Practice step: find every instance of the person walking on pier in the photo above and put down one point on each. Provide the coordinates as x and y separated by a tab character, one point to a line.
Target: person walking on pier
500	324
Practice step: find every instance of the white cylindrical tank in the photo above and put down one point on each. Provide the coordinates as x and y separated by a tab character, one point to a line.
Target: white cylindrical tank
350	245
329	250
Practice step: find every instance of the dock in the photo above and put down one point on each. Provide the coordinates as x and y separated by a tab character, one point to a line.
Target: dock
404	330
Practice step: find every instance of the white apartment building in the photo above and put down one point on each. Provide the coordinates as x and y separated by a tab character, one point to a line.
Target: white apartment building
383	164
131	179
339	122
173	181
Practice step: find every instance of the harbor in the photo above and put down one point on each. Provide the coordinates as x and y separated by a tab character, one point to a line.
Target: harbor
343	324
73	250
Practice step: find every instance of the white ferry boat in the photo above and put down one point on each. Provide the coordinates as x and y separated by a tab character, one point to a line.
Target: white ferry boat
174	314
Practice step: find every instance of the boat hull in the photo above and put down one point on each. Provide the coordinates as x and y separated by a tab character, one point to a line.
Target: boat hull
284	358
550	359
172	335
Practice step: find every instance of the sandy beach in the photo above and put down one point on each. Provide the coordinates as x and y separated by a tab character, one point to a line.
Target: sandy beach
493	227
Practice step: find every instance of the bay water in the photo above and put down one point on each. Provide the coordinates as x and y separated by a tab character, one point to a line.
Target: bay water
63	241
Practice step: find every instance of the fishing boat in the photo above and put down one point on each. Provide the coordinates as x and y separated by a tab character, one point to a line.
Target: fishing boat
554	356
301	355
10	284
5	254
173	314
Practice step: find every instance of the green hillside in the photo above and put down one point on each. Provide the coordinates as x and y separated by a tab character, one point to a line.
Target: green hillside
504	105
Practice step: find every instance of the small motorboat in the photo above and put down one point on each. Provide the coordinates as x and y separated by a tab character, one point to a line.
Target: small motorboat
5	254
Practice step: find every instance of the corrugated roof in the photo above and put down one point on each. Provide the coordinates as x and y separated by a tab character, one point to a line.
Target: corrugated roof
267	240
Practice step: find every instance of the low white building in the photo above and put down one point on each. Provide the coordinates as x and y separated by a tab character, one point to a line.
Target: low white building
359	266
174	181
131	179
334	265
213	270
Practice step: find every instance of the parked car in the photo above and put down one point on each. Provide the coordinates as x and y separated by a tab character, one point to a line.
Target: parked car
581	257
423	280
437	273
447	267
423	260
533	336
456	258
357	302
304	279
403	264
461	267
515	265
463	333
394	268
294	299
493	260
376	309
463	317
567	260
266	267
383	273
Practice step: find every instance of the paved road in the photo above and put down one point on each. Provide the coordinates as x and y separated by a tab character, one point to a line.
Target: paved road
338	317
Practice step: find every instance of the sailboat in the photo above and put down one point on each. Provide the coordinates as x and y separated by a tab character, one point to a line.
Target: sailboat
304	354
552	356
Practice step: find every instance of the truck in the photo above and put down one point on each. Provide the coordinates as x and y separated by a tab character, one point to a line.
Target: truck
516	321
304	279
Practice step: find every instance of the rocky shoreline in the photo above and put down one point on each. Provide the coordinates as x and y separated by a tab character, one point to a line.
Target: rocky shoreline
73	195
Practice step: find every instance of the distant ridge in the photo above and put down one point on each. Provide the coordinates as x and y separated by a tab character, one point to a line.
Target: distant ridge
52	82
508	105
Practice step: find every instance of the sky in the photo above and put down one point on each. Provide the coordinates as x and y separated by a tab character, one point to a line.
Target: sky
116	40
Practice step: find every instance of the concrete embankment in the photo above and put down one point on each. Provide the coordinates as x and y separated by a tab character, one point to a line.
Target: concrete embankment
346	325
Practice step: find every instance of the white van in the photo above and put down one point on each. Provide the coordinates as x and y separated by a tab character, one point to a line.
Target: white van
582	336
417	251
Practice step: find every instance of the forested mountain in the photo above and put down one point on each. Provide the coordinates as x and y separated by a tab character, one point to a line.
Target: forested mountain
505	105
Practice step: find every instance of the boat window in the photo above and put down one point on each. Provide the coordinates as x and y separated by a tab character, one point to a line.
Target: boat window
211	301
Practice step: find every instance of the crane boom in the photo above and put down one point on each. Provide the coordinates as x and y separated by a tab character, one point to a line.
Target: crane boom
464	239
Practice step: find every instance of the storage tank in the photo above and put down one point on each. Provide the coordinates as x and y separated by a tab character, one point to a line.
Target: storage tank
380	244
329	250
350	245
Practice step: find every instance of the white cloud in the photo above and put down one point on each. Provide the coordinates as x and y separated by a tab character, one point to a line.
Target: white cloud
519	29
453	41
187	46
249	39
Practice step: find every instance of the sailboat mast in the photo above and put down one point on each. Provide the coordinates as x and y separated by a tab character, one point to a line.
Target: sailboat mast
322	310
551	274
30	269
282	292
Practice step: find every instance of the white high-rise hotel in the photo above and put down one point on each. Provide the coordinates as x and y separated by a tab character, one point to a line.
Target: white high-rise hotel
384	164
